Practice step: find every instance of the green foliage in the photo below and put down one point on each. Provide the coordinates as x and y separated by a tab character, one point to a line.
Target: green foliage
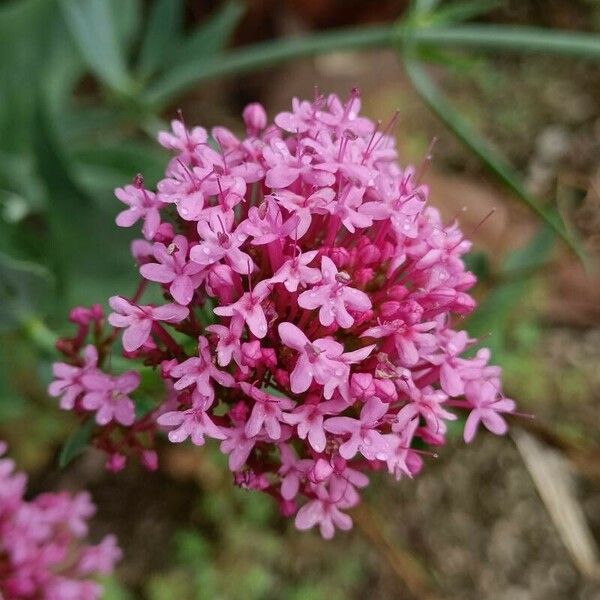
25	290
76	443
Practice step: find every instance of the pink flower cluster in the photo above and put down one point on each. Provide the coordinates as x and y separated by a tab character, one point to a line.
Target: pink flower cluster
41	555
311	303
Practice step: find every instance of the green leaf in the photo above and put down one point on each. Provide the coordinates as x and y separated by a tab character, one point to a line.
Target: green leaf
490	38
491	319
531	256
490	157
92	24
211	37
76	443
463	11
25	291
161	36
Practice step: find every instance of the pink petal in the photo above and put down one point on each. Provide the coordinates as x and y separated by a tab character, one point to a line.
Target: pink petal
291	336
182	289
136	334
171	313
157	272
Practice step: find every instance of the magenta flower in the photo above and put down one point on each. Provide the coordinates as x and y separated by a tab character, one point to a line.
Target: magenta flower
483	396
109	397
266	412
142	205
181	140
229	345
218	242
173	267
308	419
193	423
324	510
296	272
68	383
334	297
291	247
322	360
138	320
249	308
265	224
305	207
42	541
199	371
362	431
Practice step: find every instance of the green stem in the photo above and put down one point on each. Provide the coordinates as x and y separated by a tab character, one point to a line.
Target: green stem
273	52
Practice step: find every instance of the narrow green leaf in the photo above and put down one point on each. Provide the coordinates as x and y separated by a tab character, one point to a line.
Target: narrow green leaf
531	256
463	11
211	37
491	319
489	156
490	38
76	443
92	25
25	291
162	34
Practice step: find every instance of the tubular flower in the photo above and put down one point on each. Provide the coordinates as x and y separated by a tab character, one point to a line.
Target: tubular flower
311	324
41	542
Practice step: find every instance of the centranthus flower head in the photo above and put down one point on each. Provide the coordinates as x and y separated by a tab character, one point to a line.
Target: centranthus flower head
310	320
42	554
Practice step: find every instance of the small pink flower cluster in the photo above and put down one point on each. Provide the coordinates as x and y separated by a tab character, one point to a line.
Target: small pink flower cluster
41	555
311	299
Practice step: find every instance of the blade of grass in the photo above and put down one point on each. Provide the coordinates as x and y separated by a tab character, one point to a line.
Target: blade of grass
265	54
491	158
162	33
212	36
92	25
462	11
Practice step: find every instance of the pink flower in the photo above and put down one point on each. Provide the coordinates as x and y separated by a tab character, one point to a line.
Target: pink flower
229	345
363	431
218	242
322	360
308	419
291	247
100	558
199	371
182	140
68	378
324	510
109	396
266	412
142	205
265	224
334	297
486	403
249	308
295	272
172	267
305	208
138	320
193	422
42	541
238	445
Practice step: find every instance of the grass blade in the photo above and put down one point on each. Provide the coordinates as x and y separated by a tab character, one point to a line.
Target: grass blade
92	25
491	158
489	38
212	36
162	34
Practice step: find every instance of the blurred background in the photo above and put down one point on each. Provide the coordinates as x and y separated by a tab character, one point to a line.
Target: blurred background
84	87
